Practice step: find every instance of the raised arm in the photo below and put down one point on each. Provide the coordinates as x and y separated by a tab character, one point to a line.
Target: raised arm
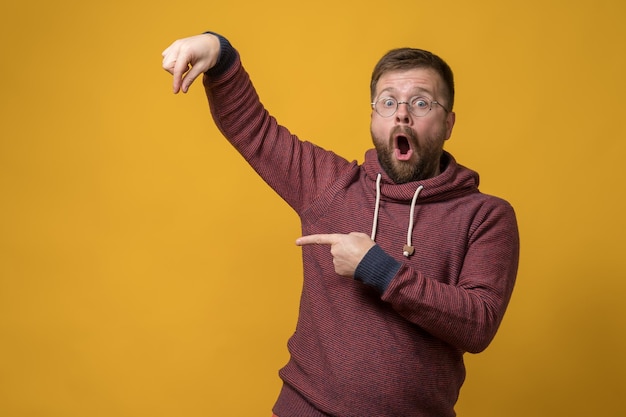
284	161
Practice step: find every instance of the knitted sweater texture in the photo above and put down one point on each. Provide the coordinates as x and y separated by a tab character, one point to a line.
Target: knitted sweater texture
389	343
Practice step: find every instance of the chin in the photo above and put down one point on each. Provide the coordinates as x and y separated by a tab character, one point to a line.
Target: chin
403	173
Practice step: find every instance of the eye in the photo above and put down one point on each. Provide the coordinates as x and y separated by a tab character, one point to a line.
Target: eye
420	103
388	102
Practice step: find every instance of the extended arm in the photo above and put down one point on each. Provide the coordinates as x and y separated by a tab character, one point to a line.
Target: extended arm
297	170
467	311
465	315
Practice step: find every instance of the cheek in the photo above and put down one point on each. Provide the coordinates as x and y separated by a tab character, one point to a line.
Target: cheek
379	129
431	130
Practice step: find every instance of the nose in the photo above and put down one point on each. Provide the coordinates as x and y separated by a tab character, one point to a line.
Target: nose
402	113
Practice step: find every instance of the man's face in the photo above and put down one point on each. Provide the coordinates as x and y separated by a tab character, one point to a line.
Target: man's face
410	147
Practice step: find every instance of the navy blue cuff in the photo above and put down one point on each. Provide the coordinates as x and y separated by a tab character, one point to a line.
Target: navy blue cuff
227	57
377	268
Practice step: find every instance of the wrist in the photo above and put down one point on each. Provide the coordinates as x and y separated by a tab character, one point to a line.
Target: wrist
377	269
225	58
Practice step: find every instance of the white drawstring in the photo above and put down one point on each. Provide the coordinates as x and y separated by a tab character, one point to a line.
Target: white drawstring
408	249
375	224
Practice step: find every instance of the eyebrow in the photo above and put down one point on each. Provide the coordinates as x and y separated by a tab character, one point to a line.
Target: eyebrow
418	90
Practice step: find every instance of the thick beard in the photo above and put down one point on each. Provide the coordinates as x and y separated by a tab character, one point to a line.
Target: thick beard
423	165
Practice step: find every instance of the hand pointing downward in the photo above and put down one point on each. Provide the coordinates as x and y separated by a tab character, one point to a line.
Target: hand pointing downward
347	250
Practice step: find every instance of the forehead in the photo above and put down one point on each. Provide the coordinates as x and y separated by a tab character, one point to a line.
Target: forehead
415	80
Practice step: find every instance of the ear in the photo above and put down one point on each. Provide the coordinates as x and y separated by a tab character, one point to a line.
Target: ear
450	120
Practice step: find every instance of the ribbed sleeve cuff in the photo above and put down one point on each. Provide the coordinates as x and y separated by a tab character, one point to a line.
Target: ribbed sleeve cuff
377	268
227	57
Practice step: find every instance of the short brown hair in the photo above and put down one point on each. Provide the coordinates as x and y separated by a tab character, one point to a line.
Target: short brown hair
410	58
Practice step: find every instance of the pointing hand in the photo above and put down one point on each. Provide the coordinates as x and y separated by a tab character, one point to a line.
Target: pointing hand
347	250
187	58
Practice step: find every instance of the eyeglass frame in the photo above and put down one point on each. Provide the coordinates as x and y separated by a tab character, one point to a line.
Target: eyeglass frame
408	104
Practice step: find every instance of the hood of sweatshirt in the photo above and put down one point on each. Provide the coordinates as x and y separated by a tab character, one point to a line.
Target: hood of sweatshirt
455	180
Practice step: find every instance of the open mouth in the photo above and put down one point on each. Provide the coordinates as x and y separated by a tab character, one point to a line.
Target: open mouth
403	149
403	145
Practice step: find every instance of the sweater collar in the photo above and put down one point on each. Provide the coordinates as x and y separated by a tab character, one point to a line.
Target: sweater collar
455	180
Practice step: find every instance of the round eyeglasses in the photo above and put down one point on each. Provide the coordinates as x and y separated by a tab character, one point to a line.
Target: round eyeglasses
418	106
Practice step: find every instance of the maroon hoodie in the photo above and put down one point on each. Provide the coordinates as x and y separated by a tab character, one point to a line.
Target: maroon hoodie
391	341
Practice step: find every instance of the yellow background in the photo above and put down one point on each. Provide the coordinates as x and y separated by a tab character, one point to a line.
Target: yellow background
146	271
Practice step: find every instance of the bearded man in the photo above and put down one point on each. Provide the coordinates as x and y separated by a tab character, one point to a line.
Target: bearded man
407	265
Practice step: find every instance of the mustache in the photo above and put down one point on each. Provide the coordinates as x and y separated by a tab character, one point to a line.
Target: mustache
405	131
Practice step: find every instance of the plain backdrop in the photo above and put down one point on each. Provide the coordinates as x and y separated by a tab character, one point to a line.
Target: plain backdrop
145	270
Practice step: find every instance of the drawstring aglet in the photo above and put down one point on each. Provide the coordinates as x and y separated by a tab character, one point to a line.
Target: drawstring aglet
408	250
